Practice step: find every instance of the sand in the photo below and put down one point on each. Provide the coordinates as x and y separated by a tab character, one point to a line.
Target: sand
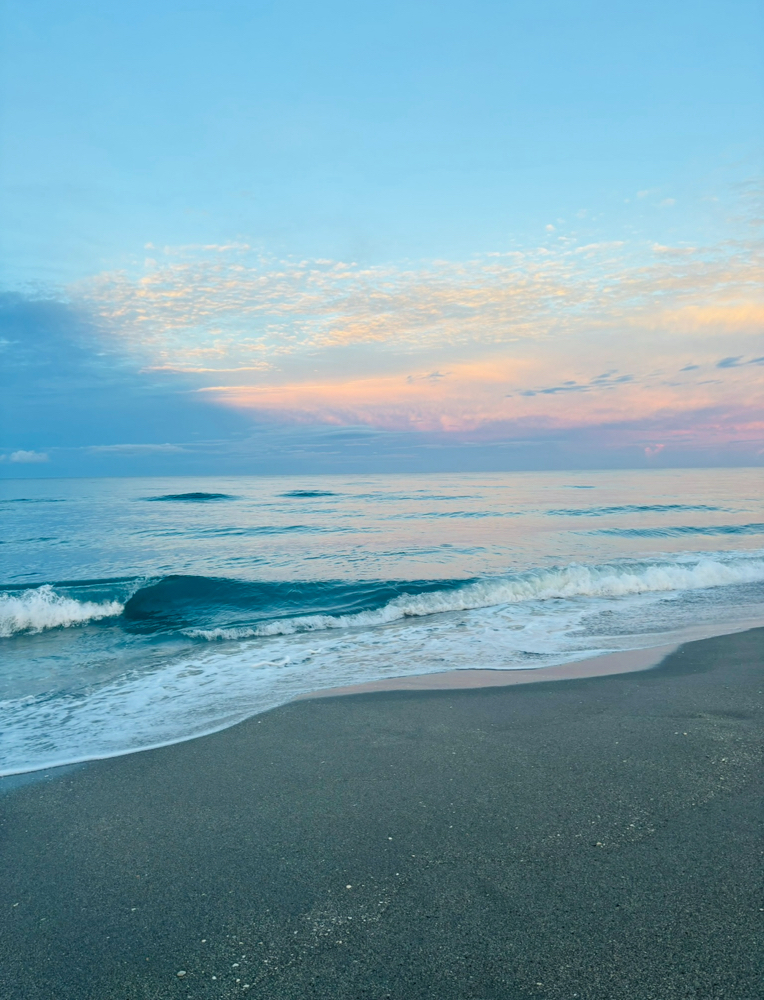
460	680
596	837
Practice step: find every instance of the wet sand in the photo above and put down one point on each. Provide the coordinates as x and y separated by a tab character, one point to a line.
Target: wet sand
460	680
597	837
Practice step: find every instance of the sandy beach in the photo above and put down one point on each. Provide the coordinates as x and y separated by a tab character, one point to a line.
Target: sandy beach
596	837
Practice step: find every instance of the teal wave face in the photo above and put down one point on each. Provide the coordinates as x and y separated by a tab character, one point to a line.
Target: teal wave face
183	603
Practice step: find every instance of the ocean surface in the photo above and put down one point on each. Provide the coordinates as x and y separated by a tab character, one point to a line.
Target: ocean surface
140	612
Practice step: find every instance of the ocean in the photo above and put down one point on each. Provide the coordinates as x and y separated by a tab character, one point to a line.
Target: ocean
140	612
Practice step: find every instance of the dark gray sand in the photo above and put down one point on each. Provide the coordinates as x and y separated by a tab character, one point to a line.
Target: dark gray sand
597	838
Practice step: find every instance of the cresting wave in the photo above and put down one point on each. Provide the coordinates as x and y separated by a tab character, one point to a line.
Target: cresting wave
616	580
213	609
37	610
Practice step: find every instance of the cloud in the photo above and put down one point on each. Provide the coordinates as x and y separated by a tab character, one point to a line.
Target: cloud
236	309
737	362
263	366
70	384
28	457
135	449
444	345
429	377
182	357
607	380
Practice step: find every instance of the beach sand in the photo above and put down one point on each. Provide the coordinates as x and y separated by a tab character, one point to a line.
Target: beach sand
598	838
452	680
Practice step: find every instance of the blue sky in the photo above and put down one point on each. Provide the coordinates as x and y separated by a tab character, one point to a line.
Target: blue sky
245	233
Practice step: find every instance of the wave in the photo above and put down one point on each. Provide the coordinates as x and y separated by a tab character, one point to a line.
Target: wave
453	513
210	608
31	500
190	497
265	529
653	508
570	582
307	494
678	531
196	604
37	610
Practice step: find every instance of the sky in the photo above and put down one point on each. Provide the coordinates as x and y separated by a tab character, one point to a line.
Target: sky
259	237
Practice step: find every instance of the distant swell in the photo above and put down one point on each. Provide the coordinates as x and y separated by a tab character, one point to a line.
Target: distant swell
190	497
37	610
306	494
653	508
677	531
32	500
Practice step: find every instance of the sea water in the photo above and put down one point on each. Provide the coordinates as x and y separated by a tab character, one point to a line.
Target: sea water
141	612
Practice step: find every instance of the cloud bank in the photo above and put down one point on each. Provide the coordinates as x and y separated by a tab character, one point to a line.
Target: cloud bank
219	357
575	335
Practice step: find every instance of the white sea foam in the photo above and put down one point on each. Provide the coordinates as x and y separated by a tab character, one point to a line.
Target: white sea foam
42	608
575	581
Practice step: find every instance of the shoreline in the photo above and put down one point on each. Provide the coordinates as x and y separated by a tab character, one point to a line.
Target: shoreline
604	665
624	661
598	666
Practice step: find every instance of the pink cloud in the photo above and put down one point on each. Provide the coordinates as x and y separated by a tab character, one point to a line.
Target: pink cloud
579	337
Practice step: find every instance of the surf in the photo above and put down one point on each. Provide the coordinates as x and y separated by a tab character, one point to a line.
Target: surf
213	608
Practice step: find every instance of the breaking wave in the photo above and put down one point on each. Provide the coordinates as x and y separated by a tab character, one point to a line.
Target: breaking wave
610	581
209	608
36	610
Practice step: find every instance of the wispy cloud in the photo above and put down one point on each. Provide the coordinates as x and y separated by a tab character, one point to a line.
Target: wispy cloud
738	361
135	449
